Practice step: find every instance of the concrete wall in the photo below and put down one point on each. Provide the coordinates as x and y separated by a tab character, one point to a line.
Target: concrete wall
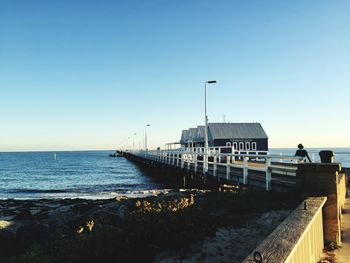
317	179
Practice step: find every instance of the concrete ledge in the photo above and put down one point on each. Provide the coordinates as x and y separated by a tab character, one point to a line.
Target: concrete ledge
281	245
319	167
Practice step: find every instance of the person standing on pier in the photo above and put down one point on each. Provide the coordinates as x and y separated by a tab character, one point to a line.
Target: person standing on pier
301	152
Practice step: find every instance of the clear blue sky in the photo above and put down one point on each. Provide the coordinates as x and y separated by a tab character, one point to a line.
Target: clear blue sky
88	74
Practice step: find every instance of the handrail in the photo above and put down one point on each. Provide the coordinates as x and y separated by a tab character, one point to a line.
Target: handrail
213	163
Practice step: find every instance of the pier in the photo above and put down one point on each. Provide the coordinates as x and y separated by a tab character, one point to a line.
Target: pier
302	236
225	165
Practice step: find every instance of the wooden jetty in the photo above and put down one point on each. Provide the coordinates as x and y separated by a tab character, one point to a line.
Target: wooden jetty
226	165
302	236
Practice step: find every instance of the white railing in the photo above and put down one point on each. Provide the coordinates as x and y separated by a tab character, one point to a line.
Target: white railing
192	158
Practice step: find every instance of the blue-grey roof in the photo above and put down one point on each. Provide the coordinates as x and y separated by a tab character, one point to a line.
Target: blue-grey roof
224	131
200	133
184	136
192	134
236	130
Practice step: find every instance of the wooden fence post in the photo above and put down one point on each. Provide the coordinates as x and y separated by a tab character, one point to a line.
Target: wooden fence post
268	174
215	166
228	167
245	170
195	163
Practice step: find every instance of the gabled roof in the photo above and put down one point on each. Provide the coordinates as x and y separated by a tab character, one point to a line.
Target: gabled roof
192	134
236	130
200	133
224	131
184	136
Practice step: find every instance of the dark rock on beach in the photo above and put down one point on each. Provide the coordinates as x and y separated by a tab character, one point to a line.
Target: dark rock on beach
7	242
31	233
129	229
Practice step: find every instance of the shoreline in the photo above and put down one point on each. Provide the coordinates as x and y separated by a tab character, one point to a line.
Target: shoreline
102	196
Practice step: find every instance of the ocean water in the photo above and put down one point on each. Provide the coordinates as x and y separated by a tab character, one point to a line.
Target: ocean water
85	174
89	174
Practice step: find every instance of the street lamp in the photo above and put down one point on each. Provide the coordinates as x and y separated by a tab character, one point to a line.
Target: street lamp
133	142
146	135
206	146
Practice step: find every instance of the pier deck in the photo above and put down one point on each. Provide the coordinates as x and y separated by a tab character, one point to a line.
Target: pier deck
257	169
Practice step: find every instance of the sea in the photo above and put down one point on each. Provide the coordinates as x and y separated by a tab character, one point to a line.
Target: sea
90	174
71	174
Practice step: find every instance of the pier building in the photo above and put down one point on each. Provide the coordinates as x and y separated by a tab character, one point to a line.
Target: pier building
240	136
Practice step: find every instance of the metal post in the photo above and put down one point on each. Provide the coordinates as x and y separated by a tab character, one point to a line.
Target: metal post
133	143
206	145
146	136
206	130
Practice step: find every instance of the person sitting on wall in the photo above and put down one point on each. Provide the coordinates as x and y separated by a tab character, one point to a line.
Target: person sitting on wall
301	152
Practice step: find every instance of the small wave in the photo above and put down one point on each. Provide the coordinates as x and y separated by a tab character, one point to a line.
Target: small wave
39	191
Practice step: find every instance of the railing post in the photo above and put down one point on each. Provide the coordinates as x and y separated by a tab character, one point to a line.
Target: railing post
195	163
268	174
245	170
233	152
215	166
228	167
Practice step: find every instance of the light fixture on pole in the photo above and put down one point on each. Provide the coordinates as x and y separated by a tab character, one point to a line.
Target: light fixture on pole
146	135
206	146
133	142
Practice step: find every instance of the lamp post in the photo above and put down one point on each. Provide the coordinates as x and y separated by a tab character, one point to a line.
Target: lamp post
146	135
133	142
206	146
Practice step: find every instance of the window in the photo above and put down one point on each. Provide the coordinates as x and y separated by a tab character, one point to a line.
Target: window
228	144
247	146
235	145
241	146
254	146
